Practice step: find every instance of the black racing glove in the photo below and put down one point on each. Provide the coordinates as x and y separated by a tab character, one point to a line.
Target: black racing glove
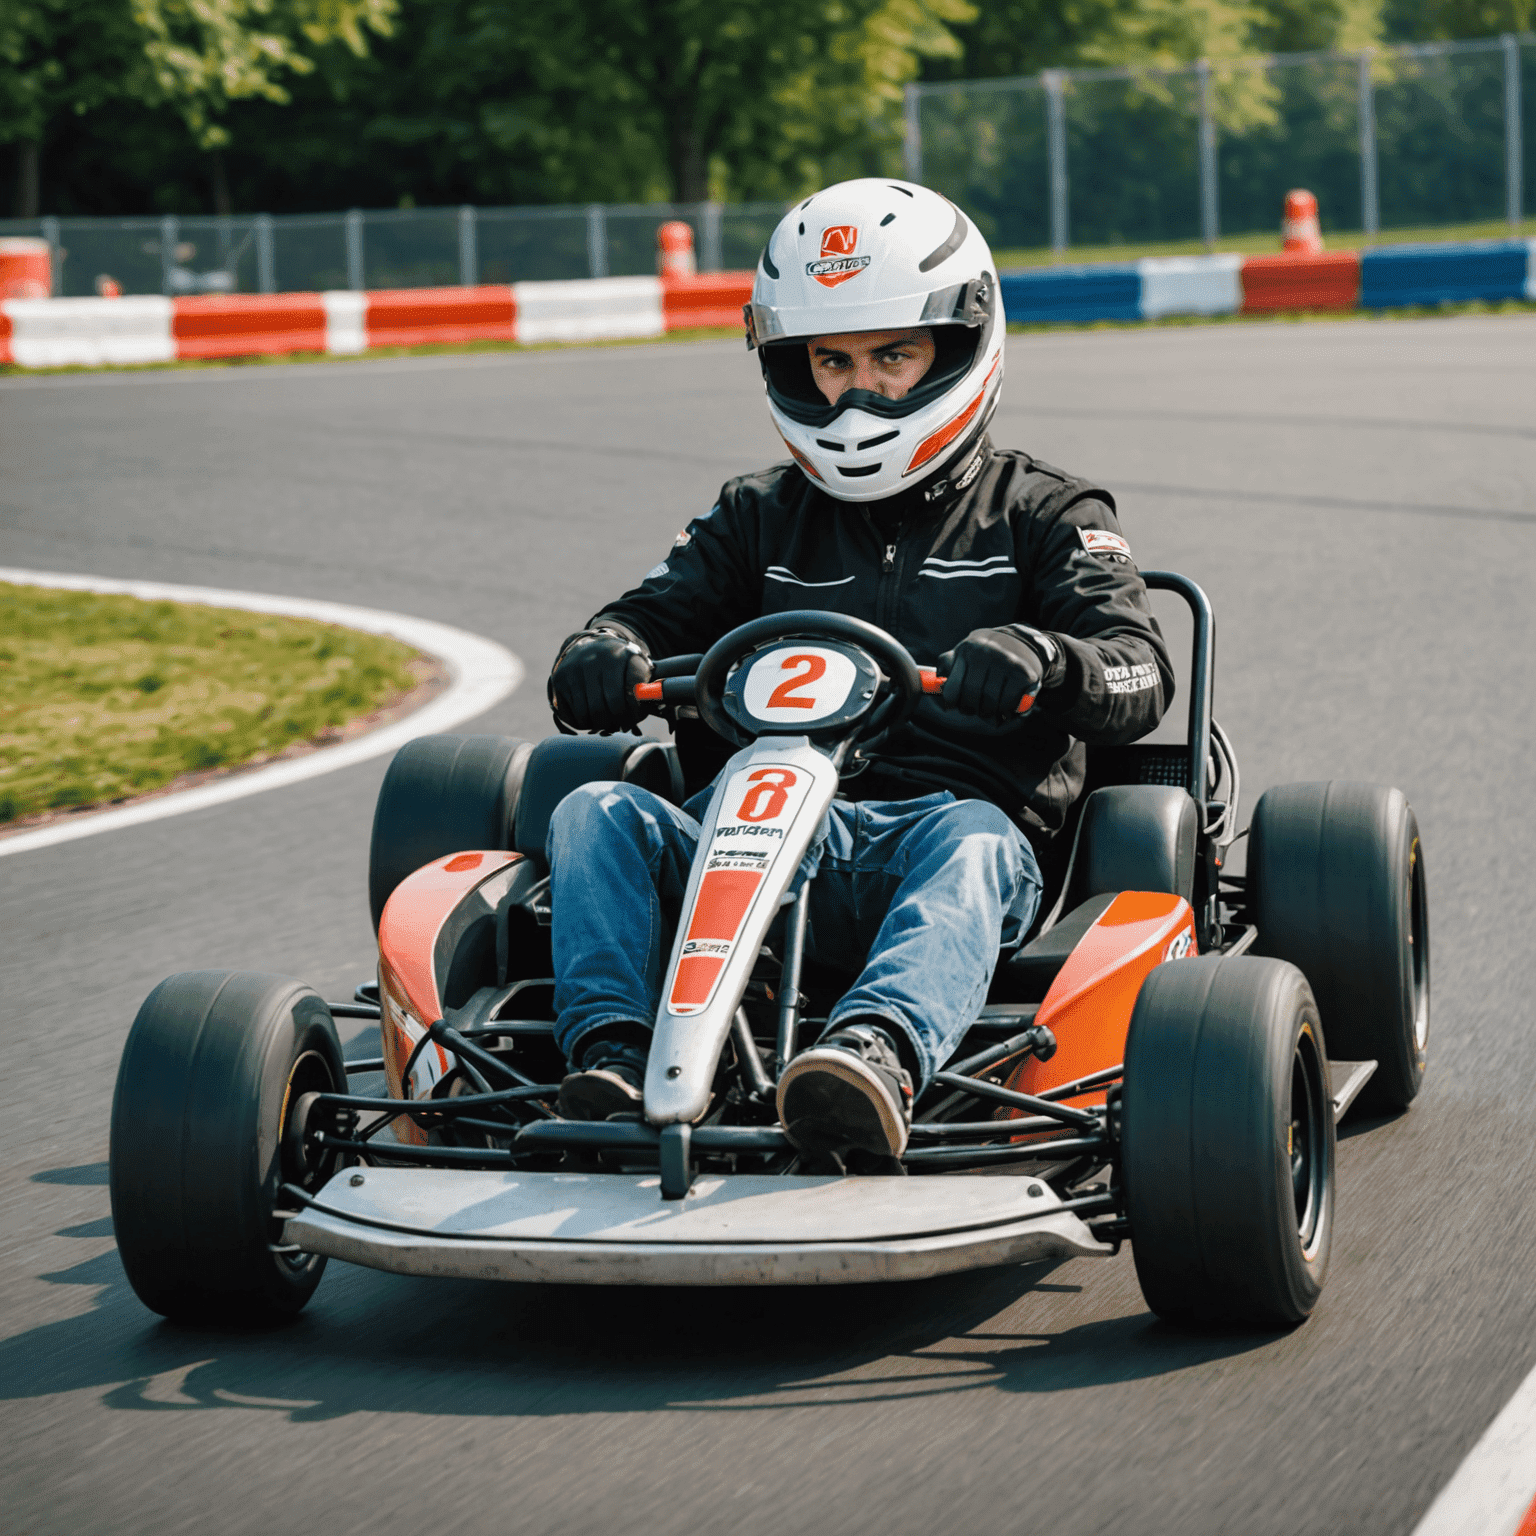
593	682
991	670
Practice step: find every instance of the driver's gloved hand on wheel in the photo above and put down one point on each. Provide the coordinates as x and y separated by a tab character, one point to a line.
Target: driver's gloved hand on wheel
593	682
991	671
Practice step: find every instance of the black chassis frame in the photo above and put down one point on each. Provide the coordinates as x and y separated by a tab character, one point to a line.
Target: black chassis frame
490	1113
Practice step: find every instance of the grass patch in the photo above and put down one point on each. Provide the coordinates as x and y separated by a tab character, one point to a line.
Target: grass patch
106	697
1263	243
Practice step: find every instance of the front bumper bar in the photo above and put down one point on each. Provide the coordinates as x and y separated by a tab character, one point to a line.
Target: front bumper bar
614	1229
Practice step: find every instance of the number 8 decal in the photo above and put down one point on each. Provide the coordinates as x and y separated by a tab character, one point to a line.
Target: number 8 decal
766	798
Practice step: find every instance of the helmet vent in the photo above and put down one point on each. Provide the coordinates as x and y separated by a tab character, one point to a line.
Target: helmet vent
874	442
822	442
886	220
860	470
768	265
902	190
802	229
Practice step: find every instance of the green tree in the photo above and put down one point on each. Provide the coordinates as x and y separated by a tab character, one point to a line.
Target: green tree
681	99
1421	21
1022	37
205	54
78	57
60	59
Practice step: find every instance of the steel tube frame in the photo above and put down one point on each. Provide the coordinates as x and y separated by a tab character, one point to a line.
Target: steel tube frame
1061	1113
789	977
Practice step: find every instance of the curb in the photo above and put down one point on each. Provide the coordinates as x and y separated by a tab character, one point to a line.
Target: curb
1493	1492
481	673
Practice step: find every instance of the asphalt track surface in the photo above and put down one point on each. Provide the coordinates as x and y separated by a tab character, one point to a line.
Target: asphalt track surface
1359	499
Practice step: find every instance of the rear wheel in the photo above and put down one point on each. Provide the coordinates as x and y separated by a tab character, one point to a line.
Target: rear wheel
215	1079
441	795
1336	886
1227	1143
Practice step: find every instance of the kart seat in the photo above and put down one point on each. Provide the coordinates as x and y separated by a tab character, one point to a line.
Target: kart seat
1132	837
559	764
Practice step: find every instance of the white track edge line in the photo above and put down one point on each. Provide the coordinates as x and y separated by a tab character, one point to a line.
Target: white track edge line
1495	1486
481	673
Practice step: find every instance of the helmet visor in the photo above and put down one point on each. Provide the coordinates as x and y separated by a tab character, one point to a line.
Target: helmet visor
961	318
792	385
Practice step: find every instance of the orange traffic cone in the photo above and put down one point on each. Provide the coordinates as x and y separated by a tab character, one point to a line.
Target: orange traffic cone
1300	229
674	250
26	268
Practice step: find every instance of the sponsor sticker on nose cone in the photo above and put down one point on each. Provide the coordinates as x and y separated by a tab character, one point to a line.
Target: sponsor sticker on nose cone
759	805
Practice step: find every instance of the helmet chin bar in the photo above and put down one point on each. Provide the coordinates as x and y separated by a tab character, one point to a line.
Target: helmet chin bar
866	458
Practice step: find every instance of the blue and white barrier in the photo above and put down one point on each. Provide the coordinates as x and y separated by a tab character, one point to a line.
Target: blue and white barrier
1387	277
1394	276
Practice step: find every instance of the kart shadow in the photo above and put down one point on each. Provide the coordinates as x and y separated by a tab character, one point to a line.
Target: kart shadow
380	1343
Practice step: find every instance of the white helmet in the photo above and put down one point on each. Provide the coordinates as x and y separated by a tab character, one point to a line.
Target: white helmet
874	255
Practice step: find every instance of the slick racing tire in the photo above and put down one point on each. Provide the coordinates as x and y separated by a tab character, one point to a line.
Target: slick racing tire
212	1089
1227	1143
441	795
1336	886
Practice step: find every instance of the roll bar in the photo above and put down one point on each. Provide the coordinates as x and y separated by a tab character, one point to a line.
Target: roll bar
1202	674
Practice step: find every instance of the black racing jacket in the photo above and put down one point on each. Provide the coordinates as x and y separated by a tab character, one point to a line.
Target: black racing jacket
1009	540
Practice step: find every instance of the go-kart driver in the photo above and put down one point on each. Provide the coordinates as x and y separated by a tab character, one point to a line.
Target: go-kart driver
876	319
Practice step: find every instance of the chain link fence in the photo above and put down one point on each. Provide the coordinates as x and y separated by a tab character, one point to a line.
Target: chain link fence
399	248
1395	138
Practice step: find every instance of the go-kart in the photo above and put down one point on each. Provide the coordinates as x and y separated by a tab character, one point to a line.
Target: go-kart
1150	1065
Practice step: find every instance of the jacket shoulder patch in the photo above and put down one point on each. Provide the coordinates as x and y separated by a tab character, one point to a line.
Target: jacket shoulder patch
1100	541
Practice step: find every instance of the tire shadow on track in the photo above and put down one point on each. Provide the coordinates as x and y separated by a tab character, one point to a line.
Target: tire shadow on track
380	1343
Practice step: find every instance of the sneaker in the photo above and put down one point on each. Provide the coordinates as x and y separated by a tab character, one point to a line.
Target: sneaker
848	1091
611	1082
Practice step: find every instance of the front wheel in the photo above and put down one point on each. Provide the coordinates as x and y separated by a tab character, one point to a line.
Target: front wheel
212	1086
1227	1143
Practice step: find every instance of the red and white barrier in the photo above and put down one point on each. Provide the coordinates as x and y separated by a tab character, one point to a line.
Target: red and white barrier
59	333
420	317
589	309
711	302
55	333
247	325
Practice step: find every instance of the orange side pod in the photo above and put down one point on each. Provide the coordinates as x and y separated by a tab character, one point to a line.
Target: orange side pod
1088	1007
409	1003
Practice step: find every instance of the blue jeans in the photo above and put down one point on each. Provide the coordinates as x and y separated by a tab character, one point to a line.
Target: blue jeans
928	890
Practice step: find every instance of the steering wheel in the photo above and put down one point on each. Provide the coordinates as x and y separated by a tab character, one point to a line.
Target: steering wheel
902	674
